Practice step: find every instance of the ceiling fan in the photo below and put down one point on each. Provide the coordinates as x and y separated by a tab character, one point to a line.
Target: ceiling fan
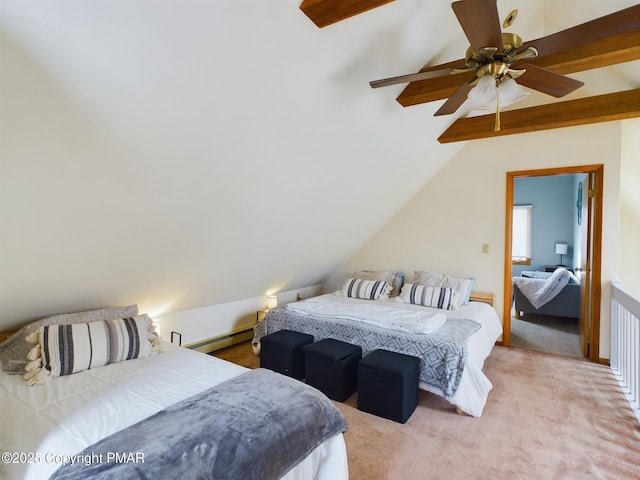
495	59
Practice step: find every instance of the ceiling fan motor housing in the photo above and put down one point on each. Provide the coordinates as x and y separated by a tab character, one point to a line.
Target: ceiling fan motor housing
489	62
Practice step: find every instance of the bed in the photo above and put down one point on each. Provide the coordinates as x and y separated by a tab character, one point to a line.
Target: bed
563	300
452	350
65	419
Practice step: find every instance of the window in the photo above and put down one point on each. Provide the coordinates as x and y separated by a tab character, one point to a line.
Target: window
521	246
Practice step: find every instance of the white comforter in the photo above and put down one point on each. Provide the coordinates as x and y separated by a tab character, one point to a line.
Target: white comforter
51	422
415	321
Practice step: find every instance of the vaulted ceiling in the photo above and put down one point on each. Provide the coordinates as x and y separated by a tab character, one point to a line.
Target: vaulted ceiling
603	41
202	152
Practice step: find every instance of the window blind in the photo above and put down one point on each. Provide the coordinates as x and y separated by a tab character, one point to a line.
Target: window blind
522	242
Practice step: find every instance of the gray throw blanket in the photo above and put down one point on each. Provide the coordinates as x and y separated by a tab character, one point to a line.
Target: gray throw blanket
442	354
255	426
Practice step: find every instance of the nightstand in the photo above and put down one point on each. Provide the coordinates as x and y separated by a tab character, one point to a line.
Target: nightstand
260	314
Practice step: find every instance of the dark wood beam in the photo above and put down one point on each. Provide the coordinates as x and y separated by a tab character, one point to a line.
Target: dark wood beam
620	48
583	111
326	12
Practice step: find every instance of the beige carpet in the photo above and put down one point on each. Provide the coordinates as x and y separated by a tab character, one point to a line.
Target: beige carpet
546	333
547	417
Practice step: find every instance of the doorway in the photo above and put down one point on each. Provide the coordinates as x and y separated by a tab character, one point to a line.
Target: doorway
590	263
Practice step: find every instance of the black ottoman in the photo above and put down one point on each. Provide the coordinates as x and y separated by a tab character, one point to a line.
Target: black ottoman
281	352
332	367
388	385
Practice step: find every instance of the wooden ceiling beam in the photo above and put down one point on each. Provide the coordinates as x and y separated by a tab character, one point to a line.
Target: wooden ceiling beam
620	48
583	111
326	12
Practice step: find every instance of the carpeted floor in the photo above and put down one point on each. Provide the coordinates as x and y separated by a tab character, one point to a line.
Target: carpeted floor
546	333
547	417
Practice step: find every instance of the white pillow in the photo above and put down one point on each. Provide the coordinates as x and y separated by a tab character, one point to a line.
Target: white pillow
461	285
366	289
436	297
70	348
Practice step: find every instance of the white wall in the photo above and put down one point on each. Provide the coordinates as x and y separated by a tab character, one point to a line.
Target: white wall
201	323
629	252
630	207
445	225
180	154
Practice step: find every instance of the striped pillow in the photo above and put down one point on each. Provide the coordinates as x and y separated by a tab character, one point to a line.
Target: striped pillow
437	297
366	289
70	348
432	279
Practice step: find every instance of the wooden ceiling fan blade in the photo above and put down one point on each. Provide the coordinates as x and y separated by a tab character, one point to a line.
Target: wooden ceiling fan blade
411	77
454	102
480	22
600	47
623	21
546	81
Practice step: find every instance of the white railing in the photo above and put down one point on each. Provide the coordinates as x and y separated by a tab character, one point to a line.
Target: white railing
625	343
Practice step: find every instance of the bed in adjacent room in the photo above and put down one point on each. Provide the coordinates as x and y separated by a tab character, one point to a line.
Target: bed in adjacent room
554	293
175	411
450	332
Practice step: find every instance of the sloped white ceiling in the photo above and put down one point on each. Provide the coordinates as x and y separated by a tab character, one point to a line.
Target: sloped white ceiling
190	153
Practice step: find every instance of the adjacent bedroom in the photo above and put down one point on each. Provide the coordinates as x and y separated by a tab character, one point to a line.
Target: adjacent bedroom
546	253
271	240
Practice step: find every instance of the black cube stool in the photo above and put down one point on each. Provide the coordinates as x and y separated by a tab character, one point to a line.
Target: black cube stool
388	385
332	367
282	352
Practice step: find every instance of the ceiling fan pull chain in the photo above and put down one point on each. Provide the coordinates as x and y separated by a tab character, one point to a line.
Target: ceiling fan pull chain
496	127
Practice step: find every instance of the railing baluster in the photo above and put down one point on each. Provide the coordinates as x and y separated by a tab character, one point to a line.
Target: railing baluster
625	344
638	369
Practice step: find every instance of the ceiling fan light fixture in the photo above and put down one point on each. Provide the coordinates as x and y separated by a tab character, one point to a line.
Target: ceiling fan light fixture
509	92
484	93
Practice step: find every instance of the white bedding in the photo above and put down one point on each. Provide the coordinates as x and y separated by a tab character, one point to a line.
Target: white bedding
474	385
421	321
61	418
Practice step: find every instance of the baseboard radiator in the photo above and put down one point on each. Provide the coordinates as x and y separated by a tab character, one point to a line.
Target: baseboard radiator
212	344
625	343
